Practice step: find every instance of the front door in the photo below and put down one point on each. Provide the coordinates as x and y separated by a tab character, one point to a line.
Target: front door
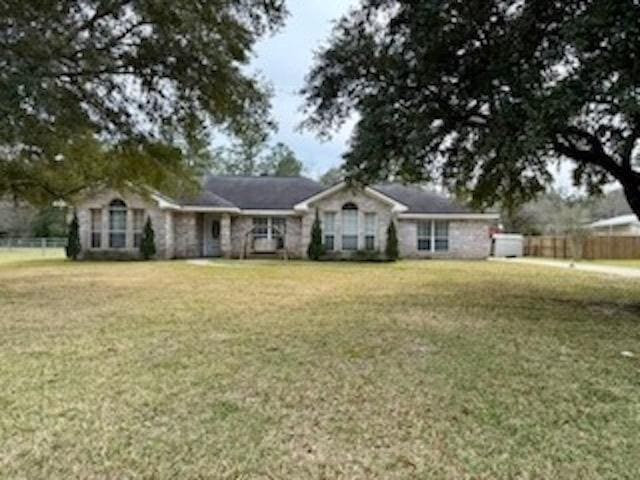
211	237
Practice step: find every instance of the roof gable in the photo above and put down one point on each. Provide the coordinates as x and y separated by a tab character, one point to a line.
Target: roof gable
305	204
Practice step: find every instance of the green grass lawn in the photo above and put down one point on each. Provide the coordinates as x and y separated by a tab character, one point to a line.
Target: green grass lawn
620	263
609	262
274	370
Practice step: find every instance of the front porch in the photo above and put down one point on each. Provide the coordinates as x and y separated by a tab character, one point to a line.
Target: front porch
219	235
213	233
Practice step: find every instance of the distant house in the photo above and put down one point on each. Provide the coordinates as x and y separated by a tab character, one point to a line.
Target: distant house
620	225
235	217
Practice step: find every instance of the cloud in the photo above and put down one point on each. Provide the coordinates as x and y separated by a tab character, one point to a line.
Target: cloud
284	60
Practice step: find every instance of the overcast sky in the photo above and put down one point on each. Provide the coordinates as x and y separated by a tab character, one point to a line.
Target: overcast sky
284	60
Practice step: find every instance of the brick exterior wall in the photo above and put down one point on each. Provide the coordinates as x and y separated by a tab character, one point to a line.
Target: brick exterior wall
101	202
180	234
241	225
239	228
468	239
225	235
334	203
187	243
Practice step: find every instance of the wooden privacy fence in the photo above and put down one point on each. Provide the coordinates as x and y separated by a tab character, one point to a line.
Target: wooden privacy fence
593	247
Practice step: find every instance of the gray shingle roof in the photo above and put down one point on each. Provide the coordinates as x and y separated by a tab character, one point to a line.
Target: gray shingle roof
419	200
206	199
263	193
283	193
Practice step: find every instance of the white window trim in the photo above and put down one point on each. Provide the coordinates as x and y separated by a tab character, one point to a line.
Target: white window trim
422	237
374	229
112	231
342	230
325	232
270	235
449	216
137	231
93	231
432	236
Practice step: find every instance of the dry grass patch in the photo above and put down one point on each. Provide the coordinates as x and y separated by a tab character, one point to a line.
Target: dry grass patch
301	370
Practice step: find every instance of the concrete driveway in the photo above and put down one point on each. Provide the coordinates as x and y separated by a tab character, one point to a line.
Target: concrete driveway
584	267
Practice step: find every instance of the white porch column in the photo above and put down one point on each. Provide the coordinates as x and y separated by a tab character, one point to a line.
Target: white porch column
225	235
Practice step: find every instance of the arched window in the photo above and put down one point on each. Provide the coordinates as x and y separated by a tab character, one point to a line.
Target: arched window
117	224
350	226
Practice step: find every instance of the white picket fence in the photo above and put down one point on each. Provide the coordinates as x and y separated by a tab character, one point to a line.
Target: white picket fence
44	244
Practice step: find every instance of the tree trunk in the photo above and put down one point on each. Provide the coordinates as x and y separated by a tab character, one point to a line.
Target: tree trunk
632	192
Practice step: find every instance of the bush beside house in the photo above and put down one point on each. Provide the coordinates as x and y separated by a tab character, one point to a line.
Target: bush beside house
316	249
392	251
73	239
148	244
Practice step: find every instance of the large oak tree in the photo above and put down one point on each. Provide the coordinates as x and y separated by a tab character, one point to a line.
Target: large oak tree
485	94
105	91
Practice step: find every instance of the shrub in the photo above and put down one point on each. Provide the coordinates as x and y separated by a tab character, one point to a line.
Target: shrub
73	239
316	249
148	243
392	242
368	256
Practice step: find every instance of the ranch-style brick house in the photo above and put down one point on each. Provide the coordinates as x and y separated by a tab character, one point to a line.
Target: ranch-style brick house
239	217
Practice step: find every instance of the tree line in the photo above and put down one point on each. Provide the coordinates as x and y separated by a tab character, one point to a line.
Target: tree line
481	96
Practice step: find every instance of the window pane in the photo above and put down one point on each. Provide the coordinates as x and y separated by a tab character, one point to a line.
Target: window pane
96	239
117	224
442	229
350	222
441	236
424	235
370	242
96	220
349	242
117	240
370	223
442	244
329	226
424	229
424	244
118	220
261	227
96	228
279	230
279	226
138	220
329	242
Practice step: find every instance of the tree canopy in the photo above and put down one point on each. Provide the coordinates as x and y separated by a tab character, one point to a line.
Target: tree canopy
251	154
281	161
332	176
126	77
485	94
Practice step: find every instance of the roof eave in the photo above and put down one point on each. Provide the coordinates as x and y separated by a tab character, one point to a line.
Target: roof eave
165	203
449	216
303	206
